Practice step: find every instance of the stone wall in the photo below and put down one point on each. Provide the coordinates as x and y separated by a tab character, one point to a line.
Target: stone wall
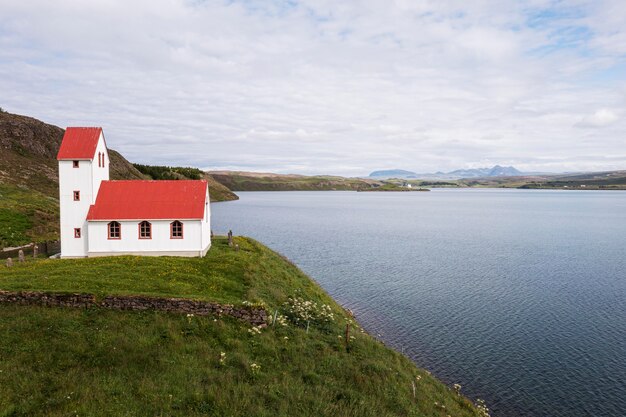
43	248
254	315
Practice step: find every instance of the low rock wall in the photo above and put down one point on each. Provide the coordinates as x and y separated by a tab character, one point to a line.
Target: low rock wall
254	315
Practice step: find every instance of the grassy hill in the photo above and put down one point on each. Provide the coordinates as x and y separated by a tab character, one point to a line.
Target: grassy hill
218	192
96	362
26	215
258	181
607	180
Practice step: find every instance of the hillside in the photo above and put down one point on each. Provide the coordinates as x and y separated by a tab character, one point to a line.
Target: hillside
29	150
218	192
258	181
607	180
72	361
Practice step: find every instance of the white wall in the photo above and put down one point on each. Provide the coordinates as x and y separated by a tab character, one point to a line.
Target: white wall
86	179
192	244
206	223
100	174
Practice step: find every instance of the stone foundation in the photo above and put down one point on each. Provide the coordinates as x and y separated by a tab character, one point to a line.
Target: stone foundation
254	315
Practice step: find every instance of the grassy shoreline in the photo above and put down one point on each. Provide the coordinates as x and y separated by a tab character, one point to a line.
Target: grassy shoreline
62	361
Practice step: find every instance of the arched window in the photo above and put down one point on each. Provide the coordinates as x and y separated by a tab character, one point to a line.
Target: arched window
145	230
176	230
115	230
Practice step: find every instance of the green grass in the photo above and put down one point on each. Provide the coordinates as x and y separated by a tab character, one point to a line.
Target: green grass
253	274
96	362
26	216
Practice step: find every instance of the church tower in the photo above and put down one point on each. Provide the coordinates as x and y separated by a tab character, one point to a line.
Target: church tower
83	165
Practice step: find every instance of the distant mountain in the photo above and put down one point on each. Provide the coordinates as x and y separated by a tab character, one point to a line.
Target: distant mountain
496	171
393	173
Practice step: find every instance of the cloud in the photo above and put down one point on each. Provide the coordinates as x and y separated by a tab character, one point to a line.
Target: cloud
324	86
601	118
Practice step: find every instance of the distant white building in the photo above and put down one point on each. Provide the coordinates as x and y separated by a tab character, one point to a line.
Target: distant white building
100	217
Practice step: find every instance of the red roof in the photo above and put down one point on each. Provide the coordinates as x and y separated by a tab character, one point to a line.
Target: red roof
149	200
79	143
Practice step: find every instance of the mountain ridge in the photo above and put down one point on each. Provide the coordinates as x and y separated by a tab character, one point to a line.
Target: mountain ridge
495	171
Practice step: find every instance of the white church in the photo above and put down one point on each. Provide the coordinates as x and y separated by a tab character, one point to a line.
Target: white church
100	217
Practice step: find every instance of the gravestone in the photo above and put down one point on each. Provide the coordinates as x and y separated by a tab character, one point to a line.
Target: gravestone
9	262
35	251
20	256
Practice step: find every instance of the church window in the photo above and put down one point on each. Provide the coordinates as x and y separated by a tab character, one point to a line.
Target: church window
77	232
145	230
115	230
75	164
176	230
76	195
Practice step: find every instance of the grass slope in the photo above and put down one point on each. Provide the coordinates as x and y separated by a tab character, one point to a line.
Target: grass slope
26	216
94	362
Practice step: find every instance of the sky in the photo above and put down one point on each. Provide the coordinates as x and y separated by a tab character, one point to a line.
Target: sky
326	86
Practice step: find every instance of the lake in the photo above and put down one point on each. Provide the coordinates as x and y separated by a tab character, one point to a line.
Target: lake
517	295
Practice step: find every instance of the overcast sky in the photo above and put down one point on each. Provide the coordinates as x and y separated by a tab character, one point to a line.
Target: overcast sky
338	87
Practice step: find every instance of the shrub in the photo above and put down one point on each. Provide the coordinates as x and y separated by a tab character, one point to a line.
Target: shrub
303	312
157	172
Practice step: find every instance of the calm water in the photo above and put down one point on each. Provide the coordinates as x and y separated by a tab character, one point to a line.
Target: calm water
519	296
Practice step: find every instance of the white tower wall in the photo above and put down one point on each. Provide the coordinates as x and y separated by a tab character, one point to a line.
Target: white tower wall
85	179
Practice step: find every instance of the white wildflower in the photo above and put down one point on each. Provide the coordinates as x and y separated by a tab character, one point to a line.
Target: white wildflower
255	368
